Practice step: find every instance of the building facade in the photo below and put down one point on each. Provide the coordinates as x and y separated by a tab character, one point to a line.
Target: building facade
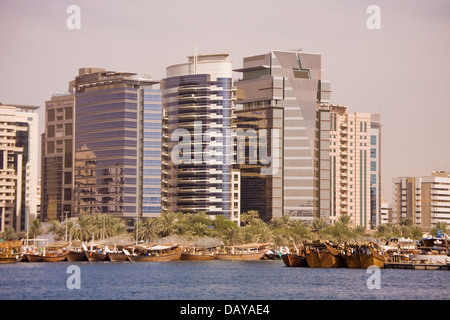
290	80
355	168
57	158
18	166
198	102
424	200
117	145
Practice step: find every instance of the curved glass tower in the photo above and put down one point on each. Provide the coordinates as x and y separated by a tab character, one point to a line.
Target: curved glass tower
197	99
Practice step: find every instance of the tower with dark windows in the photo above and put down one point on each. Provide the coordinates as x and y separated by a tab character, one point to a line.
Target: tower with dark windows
197	98
118	134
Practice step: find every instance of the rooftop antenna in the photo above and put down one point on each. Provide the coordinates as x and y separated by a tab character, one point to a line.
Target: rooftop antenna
195	56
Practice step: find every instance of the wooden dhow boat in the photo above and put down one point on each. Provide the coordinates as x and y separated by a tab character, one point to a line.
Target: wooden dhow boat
97	254
76	255
363	255
324	255
118	254
144	253
199	253
76	252
51	253
10	251
294	260
246	252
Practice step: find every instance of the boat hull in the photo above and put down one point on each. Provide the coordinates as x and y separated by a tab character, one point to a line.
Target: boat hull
151	258
353	260
198	257
372	259
41	258
240	256
8	259
117	256
73	256
294	260
328	260
313	260
95	256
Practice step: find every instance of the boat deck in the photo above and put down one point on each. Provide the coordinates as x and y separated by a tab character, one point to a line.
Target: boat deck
417	266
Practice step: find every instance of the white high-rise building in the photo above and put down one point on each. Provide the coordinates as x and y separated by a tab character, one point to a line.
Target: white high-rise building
18	166
425	200
197	98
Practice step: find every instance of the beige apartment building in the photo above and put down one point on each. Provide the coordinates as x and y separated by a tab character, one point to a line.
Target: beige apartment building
355	172
425	200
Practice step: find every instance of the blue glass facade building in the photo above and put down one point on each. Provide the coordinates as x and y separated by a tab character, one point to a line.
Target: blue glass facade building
117	145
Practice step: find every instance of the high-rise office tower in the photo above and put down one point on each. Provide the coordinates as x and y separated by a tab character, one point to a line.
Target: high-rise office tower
18	166
355	168
375	171
197	98
290	81
118	134
424	200
57	158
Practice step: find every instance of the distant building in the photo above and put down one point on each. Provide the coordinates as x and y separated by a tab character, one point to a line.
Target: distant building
57	158
286	88
198	102
117	145
18	166
355	166
424	200
385	212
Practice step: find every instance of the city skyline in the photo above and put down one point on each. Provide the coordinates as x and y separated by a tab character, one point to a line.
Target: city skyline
373	71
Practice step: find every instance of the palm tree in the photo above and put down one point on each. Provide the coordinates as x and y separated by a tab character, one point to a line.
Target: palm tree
83	229
148	229
167	222
55	229
318	225
9	234
199	229
36	228
232	236
345	220
247	217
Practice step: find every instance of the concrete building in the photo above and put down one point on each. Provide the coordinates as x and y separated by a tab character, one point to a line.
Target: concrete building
287	85
198	101
117	147
355	169
57	158
424	200
18	166
385	212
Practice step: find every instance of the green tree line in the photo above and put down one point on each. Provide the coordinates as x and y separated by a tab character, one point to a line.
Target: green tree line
190	226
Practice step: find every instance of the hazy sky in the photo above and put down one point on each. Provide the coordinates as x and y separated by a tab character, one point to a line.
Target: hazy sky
401	71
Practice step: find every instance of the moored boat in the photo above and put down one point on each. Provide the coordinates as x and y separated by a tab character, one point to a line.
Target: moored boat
144	253
46	258
10	251
199	253
76	252
97	254
294	260
93	256
324	255
52	253
118	255
363	255
247	252
74	255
